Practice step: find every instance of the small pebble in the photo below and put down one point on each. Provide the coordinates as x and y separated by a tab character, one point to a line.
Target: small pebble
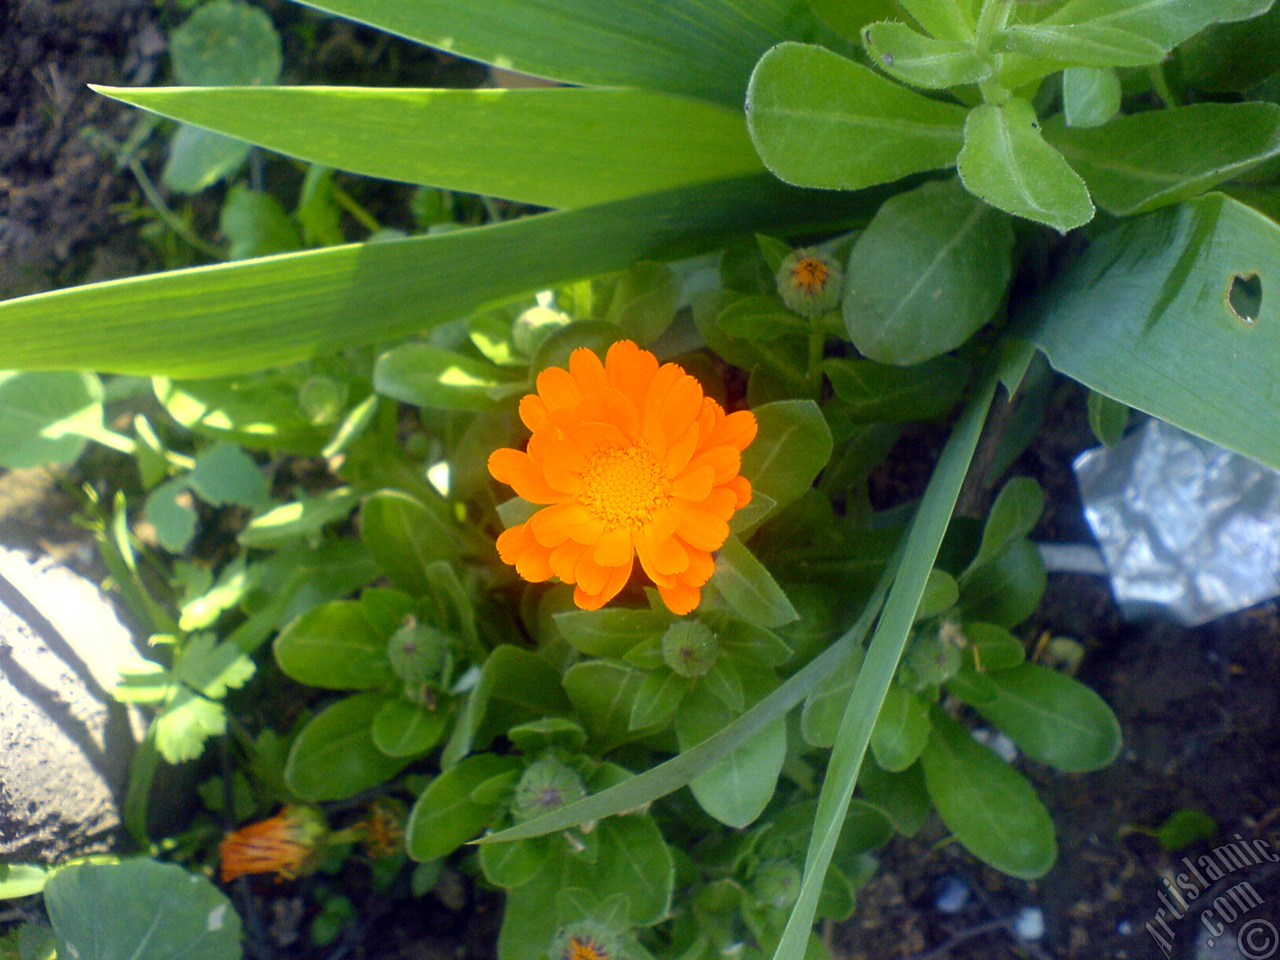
1029	923
1124	928
952	895
999	742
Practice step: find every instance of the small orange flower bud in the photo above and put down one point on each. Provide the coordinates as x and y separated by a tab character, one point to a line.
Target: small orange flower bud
286	844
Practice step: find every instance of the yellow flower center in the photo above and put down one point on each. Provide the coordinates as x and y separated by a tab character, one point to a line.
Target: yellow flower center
810	274
623	486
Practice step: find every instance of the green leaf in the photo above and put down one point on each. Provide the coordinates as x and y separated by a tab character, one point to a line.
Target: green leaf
604	693
1144	318
758	318
1006	590
155	907
635	861
301	518
736	789
1012	517
334	756
566	147
945	19
515	864
1090	96
848	19
825	706
225	43
1165	22
1232	57
987	804
255	223
929	270
1053	718
992	647
610	632
404	729
171	514
657	698
186	723
216	320
335	646
211	666
22	880
1146	160
644	300
749	588
707	51
405	536
901	731
792	445
44	416
902	797
1108	418
922	61
1081	45
940	594
225	474
1007	163
514	686
446	816
427	376
1185	827
819	120
259	411
198	159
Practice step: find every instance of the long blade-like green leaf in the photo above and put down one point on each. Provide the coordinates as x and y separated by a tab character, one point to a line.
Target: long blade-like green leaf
233	318
701	48
675	773
919	554
1159	314
565	147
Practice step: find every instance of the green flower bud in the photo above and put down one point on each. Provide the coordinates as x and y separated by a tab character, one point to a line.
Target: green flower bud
547	784
321	400
689	648
809	283
930	662
417	652
585	940
534	326
776	883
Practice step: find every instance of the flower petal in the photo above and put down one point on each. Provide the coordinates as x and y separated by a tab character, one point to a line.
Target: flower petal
697	527
681	598
534	563
741	488
668	557
681	406
694	484
554	525
519	472
725	460
591	576
562	464
618	577
513	541
701	567
681	450
588	371
559	389
738	429
614	547
631	370
533	410
564	560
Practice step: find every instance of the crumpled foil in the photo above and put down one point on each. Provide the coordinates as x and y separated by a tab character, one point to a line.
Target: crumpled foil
1188	528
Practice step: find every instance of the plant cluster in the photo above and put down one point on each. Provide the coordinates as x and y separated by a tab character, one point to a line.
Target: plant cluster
758	272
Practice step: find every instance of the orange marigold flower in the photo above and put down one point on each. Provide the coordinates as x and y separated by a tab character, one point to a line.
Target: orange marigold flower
631	460
287	844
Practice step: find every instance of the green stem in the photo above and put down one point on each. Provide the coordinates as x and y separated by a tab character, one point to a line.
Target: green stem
817	351
171	219
361	215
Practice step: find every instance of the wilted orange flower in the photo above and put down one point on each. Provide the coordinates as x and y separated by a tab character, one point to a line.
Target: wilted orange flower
286	844
631	459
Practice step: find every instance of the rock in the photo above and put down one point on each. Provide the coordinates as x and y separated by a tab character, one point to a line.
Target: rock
65	745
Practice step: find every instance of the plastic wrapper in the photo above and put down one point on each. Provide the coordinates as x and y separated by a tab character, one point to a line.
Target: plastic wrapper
1187	528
